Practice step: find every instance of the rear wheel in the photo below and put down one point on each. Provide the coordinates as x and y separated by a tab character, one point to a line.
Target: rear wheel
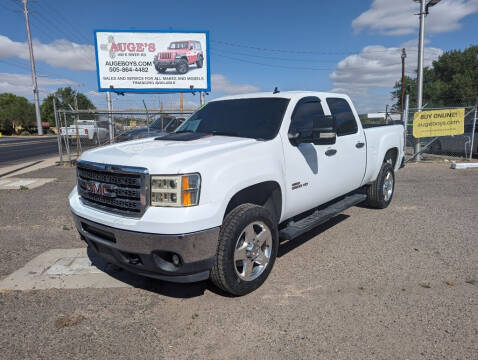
182	67
199	62
247	249
380	192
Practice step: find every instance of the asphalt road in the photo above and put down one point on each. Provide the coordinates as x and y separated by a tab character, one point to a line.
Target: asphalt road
398	283
14	150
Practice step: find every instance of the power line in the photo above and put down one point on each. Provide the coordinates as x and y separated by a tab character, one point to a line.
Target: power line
271	65
276	58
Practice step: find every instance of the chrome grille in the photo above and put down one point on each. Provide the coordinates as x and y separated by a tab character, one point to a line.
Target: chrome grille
118	189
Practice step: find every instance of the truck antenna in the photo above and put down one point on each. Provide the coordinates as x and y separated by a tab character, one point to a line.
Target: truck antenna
276	90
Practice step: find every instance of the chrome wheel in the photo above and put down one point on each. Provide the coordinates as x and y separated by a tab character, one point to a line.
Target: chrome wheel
388	186
253	251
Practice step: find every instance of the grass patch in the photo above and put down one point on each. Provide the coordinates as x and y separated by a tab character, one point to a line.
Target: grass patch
68	320
23	187
66	228
471	281
425	285
450	283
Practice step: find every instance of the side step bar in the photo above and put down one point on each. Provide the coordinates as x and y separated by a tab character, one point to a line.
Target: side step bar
297	228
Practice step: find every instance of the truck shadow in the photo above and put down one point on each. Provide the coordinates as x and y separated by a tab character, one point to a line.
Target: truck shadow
288	245
191	290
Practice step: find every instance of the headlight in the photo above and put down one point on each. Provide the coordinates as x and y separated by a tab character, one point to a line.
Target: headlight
175	190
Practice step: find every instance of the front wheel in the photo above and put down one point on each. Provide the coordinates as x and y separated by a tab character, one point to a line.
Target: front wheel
182	67
380	192
247	249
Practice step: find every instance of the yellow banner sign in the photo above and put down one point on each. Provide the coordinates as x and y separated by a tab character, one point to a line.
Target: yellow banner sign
439	123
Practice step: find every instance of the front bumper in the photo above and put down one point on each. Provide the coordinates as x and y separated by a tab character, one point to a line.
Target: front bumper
151	254
165	63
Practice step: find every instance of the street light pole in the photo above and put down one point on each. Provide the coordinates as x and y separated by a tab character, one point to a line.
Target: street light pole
36	98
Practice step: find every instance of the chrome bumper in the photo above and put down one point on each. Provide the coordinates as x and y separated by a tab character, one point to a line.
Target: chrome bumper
151	254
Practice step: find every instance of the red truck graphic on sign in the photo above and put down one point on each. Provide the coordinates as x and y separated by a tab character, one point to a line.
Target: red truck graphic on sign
180	55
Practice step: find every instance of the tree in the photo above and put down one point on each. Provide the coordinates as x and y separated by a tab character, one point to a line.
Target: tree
64	98
15	111
452	80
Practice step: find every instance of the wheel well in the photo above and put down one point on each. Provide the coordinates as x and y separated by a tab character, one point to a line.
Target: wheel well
267	194
391	155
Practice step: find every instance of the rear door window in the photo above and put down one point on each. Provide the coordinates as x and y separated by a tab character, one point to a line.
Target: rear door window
346	123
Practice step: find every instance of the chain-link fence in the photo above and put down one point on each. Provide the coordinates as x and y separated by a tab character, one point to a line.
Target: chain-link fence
456	147
85	129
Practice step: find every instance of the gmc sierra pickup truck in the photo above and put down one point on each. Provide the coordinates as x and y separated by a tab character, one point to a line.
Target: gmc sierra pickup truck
213	199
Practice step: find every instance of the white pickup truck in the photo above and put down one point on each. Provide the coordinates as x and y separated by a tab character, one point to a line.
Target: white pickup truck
213	199
88	130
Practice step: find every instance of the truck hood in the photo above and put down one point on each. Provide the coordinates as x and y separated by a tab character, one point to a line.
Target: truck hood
167	156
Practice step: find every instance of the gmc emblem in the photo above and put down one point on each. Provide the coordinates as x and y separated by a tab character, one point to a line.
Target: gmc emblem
100	188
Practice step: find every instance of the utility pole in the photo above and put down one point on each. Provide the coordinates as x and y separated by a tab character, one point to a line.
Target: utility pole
110	115
421	40
78	144
202	98
181	103
424	6
34	74
58	134
404	55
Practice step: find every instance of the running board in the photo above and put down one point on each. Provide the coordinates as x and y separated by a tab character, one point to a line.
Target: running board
297	228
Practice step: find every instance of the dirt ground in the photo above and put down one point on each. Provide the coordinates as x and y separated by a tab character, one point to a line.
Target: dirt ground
399	283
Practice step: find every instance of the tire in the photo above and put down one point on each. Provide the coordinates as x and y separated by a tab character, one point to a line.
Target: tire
379	195
182	67
199	62
160	69
235	254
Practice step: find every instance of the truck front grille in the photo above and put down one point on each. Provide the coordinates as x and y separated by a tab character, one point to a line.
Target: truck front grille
165	56
117	189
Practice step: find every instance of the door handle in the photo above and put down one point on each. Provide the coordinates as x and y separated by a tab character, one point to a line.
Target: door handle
359	145
331	152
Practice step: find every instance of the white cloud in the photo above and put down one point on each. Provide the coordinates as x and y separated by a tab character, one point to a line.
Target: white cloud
396	17
21	84
221	83
59	53
376	68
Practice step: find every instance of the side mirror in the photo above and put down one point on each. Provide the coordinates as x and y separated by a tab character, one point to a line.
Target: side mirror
323	132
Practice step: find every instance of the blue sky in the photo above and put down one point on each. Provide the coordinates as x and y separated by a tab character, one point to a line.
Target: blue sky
346	46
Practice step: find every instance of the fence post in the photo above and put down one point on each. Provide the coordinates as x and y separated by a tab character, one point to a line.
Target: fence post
66	138
405	121
58	135
110	115
473	129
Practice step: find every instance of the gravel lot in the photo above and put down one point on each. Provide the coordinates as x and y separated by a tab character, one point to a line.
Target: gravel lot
399	283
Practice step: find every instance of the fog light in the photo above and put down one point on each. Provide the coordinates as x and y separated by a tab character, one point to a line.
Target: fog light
175	259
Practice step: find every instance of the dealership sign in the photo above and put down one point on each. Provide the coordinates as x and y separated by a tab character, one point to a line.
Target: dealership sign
439	123
152	61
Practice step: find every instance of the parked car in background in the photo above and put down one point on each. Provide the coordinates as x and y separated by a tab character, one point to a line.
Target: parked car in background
160	127
88	130
180	55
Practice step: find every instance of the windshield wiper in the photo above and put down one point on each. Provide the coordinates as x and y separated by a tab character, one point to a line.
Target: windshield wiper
183	131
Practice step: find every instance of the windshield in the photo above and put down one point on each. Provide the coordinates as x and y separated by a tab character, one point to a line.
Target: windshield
157	123
179	45
257	118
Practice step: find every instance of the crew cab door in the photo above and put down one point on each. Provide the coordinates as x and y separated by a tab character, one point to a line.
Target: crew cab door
351	155
316	174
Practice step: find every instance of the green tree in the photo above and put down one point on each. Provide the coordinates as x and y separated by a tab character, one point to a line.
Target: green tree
452	80
64	98
15	111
